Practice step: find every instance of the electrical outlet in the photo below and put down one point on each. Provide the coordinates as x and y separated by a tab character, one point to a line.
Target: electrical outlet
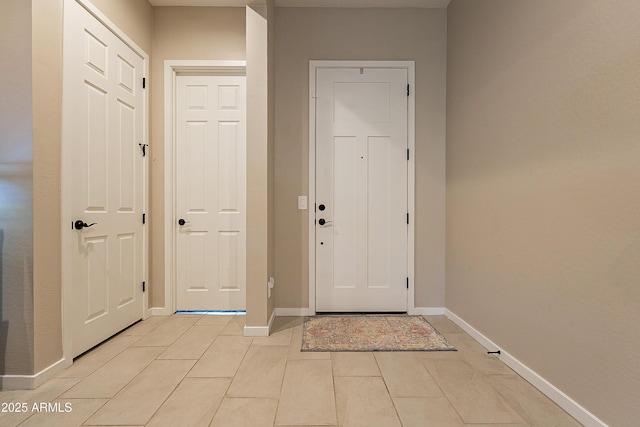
270	284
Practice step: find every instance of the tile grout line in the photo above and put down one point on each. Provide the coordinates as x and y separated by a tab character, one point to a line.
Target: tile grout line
528	416
97	347
284	373
138	374
468	355
335	395
224	396
94	412
465	358
80	379
386	386
438	384
442	390
244	356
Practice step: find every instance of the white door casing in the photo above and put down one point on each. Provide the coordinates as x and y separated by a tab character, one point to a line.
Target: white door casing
104	178
210	228
361	189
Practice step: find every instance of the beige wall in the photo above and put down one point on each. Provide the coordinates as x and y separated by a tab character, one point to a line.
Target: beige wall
543	190
271	143
199	33
178	33
16	202
47	136
257	167
304	34
260	161
35	337
134	17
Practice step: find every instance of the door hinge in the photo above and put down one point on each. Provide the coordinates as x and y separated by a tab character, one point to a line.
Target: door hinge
144	149
144	83
407	283
144	286
144	218
407	217
407	154
407	89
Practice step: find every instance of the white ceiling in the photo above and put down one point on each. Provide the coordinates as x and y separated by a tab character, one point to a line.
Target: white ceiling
309	3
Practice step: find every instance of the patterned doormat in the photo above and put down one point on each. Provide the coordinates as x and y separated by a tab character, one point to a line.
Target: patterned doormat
371	333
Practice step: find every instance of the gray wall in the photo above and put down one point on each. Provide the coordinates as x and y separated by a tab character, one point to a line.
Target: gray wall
304	34
180	33
16	182
30	174
543	190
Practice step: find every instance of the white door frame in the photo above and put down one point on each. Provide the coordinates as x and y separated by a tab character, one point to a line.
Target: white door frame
173	68
67	188
313	67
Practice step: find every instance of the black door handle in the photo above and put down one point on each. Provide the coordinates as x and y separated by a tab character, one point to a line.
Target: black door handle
80	224
182	221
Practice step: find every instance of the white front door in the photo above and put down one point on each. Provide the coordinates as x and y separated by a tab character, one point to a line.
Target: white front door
103	126
210	193
361	189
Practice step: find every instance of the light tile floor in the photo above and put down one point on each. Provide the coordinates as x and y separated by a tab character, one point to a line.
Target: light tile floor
196	370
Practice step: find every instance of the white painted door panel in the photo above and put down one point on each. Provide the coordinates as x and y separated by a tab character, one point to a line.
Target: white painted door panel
104	119
361	181
210	188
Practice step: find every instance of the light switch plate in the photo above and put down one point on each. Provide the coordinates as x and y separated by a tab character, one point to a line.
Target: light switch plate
302	202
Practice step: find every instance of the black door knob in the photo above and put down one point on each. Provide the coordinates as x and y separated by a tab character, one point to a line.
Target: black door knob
321	221
321	207
80	224
182	221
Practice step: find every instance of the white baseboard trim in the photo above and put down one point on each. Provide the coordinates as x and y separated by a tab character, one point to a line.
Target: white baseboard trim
552	392
284	311
160	311
256	331
426	311
305	311
29	382
260	331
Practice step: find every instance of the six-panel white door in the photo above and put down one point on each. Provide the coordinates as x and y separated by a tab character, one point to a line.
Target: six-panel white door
210	193
103	121
361	189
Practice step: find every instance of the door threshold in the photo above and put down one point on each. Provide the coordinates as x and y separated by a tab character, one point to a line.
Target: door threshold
360	313
214	312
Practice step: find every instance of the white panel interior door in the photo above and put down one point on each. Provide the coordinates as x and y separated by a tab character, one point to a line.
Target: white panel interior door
103	120
210	193
361	189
